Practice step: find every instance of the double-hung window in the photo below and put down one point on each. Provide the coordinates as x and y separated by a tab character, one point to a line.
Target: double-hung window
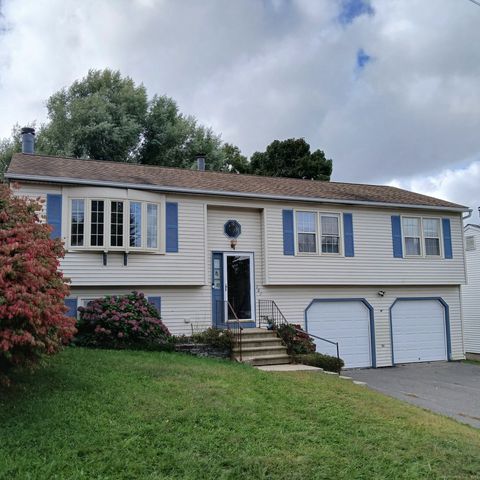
421	236
431	233
135	224
116	223
330	231
97	223
306	232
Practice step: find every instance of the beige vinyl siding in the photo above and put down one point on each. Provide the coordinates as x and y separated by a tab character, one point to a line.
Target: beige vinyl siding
373	262
471	295
182	308
293	301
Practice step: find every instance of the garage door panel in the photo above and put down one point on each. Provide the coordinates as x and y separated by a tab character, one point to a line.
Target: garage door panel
418	331
347	323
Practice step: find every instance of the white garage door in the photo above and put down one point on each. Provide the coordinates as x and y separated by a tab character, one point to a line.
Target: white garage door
418	331
347	323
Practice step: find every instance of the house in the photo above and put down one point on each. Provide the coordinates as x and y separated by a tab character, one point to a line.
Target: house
471	292
375	268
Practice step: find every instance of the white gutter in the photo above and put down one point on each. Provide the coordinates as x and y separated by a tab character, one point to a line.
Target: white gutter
193	191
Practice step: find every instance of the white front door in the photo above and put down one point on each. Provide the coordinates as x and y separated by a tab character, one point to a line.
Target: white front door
239	286
418	331
346	322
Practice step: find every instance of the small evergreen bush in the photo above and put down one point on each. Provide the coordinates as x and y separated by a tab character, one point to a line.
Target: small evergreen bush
327	362
122	321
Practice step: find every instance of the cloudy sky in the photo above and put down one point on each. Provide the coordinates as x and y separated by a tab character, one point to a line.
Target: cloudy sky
389	89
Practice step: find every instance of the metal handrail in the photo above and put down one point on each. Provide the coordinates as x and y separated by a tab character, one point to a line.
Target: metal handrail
232	325
278	315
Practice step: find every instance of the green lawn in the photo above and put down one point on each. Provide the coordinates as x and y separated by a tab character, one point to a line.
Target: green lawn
138	415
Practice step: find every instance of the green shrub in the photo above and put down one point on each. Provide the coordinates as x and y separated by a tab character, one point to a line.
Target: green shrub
122	321
296	342
216	338
327	362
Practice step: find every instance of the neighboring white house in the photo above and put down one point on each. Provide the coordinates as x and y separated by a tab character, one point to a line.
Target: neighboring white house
471	291
376	268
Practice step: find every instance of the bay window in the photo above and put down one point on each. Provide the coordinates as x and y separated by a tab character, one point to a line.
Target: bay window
109	225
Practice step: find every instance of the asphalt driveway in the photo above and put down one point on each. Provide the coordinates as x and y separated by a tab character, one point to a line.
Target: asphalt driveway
449	388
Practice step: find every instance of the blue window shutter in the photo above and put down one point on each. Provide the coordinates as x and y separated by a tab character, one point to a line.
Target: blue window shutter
288	233
348	235
172	227
71	304
54	214
156	302
397	236
447	238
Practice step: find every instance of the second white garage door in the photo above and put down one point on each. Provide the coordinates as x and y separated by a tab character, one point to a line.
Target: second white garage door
345	322
418	331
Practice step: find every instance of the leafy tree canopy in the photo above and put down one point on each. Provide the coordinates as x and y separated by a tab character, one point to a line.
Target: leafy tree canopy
108	117
291	158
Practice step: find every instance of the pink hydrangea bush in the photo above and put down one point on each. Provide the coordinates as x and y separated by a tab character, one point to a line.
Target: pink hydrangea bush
122	321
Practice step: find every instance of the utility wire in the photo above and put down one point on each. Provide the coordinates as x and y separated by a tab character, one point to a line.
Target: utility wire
476	2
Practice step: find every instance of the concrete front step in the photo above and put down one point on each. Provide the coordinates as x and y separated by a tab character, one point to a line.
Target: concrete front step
266	342
267	360
261	351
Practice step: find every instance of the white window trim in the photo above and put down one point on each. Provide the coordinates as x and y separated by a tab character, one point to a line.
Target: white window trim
422	238
297	252
106	228
318	233
340	233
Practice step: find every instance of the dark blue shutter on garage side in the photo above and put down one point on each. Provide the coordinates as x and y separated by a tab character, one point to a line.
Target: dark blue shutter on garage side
288	233
171	227
54	214
348	235
71	304
156	302
447	238
397	236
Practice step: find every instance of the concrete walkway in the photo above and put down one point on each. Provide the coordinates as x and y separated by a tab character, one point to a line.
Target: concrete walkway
449	388
289	367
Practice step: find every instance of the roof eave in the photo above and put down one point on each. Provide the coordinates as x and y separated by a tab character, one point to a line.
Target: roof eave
191	191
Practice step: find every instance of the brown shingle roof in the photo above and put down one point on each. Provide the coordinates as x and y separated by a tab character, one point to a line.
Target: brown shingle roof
67	170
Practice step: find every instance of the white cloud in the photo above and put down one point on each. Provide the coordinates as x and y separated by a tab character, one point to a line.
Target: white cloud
261	70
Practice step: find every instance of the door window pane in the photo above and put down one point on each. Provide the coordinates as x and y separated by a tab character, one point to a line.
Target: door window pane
97	223
152	226
116	224
239	287
77	223
135	224
306	232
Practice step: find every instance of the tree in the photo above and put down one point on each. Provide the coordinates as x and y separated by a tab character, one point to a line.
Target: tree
32	289
101	116
233	160
291	158
172	139
9	146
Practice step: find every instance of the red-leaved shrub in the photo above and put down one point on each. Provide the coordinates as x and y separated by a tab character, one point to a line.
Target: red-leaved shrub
122	321
32	289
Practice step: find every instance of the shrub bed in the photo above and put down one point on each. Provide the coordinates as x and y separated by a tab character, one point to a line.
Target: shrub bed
297	343
212	342
327	362
122	321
